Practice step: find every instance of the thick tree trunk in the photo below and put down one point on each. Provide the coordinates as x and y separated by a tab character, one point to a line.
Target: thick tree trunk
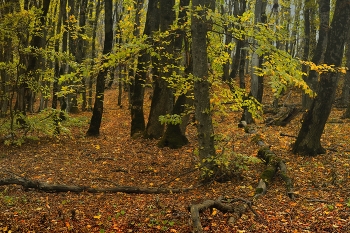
162	98
203	116
173	137
94	129
308	140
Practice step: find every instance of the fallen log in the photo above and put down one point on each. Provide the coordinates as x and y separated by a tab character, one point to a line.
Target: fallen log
282	118
274	166
56	188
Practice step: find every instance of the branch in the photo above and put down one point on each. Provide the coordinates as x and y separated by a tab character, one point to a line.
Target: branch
56	188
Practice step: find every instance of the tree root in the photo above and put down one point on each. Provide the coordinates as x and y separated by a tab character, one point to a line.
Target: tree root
56	188
218	204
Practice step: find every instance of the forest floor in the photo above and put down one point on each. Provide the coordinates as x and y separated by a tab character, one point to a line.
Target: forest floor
321	184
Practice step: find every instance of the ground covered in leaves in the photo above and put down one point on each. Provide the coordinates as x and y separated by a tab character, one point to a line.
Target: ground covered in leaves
321	184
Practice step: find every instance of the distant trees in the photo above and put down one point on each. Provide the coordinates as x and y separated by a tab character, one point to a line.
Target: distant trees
64	51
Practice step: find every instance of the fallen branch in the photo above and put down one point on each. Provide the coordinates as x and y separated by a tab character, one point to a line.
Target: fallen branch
56	188
287	135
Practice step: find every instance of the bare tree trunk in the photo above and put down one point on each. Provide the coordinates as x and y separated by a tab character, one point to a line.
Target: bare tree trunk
137	86
308	140
312	78
162	98
94	129
203	116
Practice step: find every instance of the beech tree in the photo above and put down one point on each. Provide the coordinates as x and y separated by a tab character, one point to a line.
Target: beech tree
94	129
200	25
308	141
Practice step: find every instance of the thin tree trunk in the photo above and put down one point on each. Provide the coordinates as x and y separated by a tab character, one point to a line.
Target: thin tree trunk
346	86
137	86
94	129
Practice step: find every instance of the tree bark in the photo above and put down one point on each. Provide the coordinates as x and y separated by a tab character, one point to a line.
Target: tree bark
312	78
199	27
143	65
94	129
162	98
308	140
346	86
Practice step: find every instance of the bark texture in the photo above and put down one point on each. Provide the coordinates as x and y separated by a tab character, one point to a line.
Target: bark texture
199	27
308	140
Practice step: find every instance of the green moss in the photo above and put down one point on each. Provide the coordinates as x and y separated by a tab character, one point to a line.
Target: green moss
268	173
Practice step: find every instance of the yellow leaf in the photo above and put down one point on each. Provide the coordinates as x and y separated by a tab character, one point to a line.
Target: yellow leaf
97	216
214	212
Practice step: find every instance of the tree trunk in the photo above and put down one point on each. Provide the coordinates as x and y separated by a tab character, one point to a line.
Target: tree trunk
90	81
81	48
94	129
137	85
55	87
308	140
257	82
162	98
346	86
312	78
199	27
173	137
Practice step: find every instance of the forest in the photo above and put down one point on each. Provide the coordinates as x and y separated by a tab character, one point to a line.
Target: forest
174	116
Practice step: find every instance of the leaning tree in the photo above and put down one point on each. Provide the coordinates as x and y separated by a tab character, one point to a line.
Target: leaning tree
308	141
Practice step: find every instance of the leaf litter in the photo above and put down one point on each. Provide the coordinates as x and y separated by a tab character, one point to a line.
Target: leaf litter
321	184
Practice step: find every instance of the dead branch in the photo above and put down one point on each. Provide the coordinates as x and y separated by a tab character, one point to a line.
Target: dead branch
56	188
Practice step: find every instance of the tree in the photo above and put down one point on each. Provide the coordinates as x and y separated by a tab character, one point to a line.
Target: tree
137	84
199	27
162	98
174	135
311	78
94	129
308	140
